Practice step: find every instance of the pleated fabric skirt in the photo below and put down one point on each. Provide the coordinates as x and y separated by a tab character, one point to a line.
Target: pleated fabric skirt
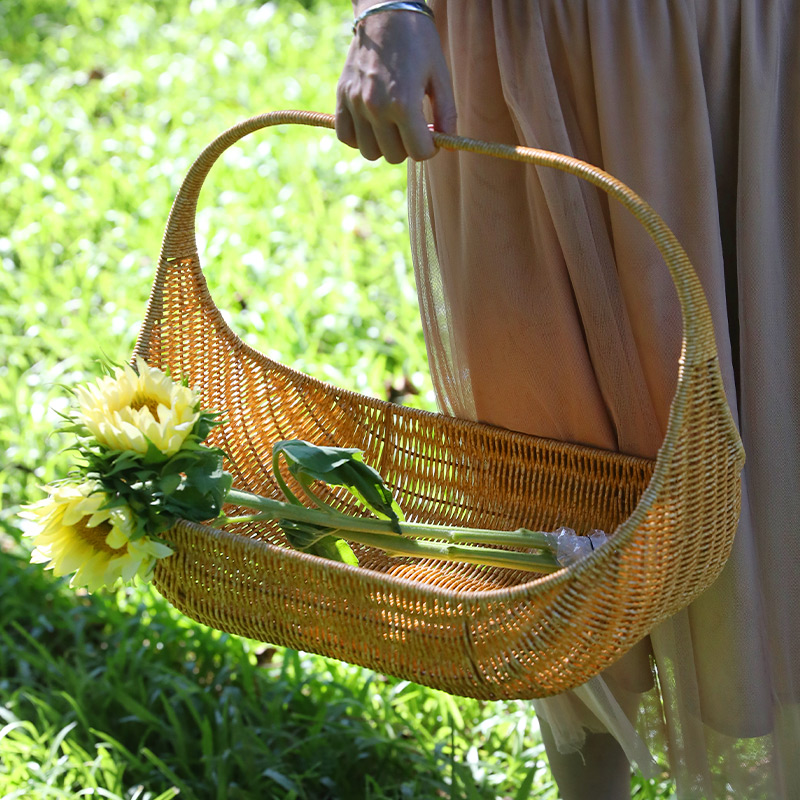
548	310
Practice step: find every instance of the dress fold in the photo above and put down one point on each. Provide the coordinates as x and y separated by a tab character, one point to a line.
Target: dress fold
548	310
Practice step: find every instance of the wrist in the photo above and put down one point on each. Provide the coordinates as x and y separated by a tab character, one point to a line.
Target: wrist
359	6
390	7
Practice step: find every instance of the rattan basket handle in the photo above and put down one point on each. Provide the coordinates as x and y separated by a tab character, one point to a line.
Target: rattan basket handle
179	242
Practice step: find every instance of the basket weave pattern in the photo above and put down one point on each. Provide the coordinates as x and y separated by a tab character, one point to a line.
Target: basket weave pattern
486	633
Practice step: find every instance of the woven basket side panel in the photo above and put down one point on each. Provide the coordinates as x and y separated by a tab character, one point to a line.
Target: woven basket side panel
255	590
615	598
701	494
558	639
426	621
444	471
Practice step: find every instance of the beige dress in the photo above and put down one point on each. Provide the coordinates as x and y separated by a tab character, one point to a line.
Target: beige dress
548	311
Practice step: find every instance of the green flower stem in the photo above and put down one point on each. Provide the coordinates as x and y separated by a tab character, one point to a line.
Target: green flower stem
522	537
284	487
379	533
395	545
305	485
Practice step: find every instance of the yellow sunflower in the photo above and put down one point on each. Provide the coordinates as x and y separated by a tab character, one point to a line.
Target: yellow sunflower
74	533
123	412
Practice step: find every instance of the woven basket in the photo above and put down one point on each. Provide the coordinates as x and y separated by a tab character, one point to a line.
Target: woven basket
485	633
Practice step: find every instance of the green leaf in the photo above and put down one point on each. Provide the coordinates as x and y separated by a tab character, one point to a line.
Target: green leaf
335	550
368	485
206	422
345	552
153	455
191	484
125	461
316	461
341	466
206	471
524	791
317	541
169	483
301	536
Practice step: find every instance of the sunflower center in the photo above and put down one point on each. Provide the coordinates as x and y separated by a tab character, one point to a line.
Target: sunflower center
96	537
150	403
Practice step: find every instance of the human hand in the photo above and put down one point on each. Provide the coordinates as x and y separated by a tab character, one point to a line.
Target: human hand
394	61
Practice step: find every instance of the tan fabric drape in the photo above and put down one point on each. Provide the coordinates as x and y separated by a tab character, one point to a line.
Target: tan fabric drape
548	311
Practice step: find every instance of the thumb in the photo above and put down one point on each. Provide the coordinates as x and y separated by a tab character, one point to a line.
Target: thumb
442	100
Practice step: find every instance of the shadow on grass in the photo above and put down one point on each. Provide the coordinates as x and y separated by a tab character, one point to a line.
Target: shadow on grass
179	705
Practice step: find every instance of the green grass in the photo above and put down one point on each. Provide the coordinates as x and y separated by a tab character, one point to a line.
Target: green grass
305	248
124	694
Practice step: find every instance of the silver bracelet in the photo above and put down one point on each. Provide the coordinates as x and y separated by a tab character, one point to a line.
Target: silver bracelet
395	5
